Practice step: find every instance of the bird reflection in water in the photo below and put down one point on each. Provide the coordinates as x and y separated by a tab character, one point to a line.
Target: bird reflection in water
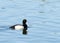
24	32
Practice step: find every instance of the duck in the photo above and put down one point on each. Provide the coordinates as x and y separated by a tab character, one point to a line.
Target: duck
19	26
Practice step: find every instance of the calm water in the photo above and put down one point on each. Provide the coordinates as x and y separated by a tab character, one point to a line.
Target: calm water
43	18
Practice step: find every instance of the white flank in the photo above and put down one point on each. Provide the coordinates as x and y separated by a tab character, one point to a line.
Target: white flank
18	27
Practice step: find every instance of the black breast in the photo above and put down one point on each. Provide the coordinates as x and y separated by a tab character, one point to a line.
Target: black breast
25	27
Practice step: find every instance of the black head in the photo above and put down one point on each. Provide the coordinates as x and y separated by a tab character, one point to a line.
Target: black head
24	21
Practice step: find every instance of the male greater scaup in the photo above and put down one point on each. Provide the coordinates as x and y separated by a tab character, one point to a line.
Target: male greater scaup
19	26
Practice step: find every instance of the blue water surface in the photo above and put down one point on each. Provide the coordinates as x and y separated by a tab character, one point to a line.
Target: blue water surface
43	19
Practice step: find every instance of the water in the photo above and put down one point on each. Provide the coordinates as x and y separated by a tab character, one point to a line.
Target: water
43	18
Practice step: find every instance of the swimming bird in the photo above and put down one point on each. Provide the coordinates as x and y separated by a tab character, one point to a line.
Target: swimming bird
19	26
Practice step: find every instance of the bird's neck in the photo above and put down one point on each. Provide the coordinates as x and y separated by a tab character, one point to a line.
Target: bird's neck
24	23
